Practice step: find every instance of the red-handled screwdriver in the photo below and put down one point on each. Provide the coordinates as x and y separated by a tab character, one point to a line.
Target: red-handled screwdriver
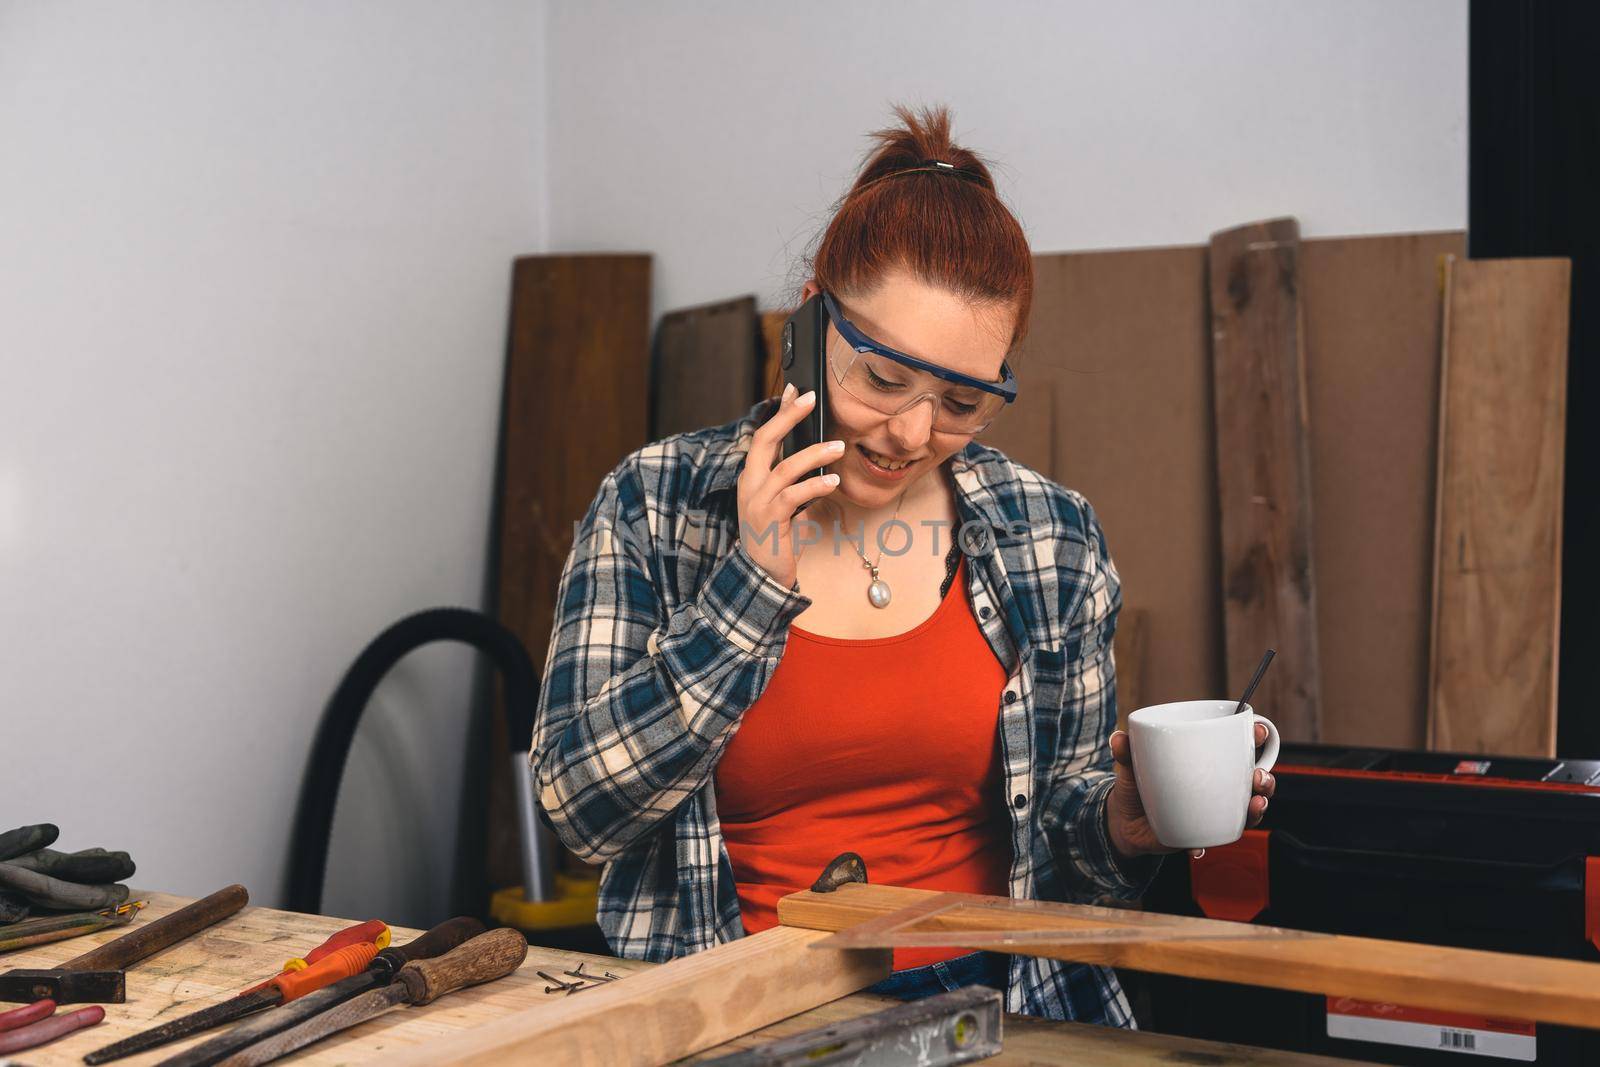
371	932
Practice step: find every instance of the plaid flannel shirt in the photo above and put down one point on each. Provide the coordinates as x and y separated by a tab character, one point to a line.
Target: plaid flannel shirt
666	630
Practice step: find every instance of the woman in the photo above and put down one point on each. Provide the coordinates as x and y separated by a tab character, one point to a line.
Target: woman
724	711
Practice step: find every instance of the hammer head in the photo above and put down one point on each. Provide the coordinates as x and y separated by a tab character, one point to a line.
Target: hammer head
63	987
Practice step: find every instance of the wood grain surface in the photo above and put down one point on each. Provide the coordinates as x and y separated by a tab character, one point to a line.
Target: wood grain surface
1114	401
254	944
1372	316
1263	441
1502	440
1425	976
706	366
687	1006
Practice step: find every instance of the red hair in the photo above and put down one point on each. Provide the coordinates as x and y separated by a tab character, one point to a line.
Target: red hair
945	225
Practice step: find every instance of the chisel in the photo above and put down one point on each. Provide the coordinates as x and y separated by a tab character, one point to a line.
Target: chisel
483	959
346	953
380	972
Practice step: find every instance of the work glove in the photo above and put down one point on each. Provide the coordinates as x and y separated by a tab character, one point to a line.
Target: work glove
34	876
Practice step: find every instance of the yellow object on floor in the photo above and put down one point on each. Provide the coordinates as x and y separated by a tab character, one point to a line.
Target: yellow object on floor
573	905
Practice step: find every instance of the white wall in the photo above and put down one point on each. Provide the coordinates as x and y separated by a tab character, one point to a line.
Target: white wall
253	275
253	295
717	134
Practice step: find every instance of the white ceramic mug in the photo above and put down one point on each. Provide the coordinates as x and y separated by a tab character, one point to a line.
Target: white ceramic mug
1195	763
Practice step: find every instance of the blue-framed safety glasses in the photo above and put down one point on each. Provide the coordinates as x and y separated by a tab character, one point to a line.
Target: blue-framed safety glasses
890	381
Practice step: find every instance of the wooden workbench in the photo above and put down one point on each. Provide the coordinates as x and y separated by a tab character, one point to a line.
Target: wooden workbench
255	943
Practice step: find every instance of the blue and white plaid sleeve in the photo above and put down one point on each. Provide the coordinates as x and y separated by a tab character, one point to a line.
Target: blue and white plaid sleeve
634	708
1081	780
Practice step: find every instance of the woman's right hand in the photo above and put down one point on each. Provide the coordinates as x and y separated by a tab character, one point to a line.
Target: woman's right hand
769	495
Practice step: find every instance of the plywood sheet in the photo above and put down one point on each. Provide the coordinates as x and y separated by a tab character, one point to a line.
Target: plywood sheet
1119	339
1129	653
705	366
1372	312
1502	434
1025	429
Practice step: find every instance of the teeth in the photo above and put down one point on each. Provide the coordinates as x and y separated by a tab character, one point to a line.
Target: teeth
884	463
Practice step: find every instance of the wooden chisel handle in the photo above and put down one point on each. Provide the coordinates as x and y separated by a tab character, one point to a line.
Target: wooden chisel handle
168	930
483	959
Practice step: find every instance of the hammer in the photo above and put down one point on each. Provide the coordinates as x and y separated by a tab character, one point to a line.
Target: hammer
96	977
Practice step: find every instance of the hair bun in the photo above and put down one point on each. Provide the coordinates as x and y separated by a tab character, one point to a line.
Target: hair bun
930	222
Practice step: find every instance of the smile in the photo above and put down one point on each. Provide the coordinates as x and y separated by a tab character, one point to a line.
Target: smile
884	462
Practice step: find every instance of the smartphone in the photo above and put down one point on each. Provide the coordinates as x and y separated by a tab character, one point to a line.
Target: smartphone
804	361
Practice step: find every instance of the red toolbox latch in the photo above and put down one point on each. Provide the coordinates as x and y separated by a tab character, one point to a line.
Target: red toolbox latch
1230	882
1591	900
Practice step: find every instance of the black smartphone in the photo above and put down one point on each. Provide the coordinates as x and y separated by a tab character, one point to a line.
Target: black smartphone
804	361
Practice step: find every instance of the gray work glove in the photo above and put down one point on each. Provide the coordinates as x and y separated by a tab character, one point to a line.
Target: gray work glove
34	876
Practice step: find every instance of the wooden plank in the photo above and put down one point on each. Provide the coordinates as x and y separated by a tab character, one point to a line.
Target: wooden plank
1372	314
575	404
1119	339
705	366
1502	432
1264	470
676	1010
1492	983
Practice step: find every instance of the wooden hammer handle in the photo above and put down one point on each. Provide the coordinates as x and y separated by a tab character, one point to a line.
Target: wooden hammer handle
168	930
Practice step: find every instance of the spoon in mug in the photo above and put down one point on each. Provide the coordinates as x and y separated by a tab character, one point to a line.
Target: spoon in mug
1197	853
1251	688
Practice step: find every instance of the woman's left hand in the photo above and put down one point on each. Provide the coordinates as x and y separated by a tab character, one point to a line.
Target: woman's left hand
1126	823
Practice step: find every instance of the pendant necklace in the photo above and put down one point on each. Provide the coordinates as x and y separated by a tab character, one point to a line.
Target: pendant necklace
878	591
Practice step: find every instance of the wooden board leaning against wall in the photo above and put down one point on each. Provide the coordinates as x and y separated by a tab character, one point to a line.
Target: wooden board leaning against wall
1259	410
705	366
1120	342
1502	444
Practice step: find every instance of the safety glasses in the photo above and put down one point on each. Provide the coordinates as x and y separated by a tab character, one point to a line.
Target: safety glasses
890	381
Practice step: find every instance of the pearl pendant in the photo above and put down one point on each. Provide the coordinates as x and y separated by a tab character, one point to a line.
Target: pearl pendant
878	593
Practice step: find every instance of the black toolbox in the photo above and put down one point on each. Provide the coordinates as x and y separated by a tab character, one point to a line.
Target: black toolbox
1475	852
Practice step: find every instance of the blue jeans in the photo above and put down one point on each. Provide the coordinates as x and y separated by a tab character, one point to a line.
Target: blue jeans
975	968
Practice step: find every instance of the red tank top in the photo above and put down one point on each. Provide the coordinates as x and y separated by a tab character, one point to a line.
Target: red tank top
884	746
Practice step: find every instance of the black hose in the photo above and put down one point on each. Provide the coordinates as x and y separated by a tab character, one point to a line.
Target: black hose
319	793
